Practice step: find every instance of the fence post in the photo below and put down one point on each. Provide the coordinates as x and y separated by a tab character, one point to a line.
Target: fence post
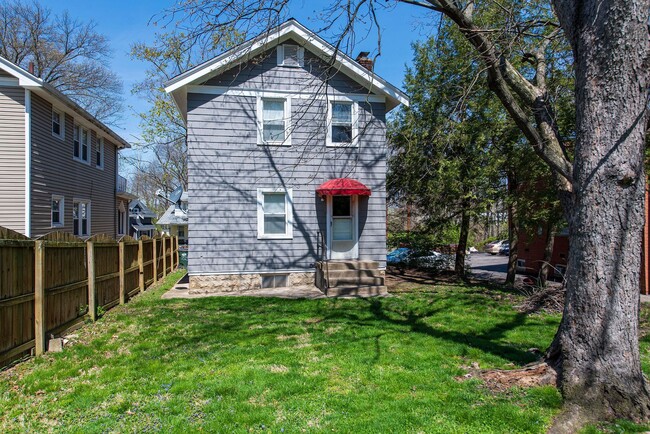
141	264
164	254
92	293
122	260
39	297
155	262
178	258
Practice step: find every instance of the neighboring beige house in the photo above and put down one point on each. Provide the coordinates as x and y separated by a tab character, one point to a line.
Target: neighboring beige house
58	164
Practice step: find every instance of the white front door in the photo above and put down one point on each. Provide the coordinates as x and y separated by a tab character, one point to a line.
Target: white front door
343	227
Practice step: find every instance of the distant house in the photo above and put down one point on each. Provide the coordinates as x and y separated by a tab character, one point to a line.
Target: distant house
287	165
141	219
58	164
174	221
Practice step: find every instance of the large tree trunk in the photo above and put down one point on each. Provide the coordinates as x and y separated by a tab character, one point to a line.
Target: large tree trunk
596	349
461	250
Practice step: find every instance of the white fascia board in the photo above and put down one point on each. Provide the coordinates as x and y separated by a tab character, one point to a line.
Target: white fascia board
24	78
317	45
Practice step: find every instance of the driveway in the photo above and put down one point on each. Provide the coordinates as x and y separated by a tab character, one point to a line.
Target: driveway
486	266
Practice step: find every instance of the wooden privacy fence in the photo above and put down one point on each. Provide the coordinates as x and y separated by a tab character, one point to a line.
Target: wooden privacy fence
51	283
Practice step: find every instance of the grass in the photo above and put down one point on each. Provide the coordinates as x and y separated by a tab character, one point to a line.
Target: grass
249	364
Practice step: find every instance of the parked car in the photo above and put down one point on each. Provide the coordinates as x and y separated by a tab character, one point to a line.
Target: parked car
398	256
472	250
505	248
435	260
494	247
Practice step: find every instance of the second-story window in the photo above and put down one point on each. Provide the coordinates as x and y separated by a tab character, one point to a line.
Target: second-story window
58	124
342	124
274	121
81	143
99	157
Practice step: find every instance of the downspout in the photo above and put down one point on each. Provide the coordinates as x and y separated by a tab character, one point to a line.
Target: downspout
28	162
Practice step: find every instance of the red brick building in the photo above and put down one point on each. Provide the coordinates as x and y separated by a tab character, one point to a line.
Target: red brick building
531	252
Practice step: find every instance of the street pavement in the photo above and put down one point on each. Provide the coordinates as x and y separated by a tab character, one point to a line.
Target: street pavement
489	267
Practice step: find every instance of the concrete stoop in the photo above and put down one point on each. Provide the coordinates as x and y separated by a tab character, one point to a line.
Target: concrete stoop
350	279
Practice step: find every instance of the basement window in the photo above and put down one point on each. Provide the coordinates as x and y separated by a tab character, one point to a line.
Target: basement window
521	263
275	280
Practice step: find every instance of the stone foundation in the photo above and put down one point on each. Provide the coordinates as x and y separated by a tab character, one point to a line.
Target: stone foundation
224	283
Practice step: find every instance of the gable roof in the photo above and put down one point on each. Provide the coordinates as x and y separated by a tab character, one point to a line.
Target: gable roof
47	91
290	29
145	211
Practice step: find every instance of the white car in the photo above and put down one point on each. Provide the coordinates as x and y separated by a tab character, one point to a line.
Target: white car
494	248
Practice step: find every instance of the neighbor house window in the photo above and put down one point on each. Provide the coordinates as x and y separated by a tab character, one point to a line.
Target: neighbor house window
274	214
81	218
99	154
181	232
274	121
57	211
342	123
58	124
121	219
291	55
81	139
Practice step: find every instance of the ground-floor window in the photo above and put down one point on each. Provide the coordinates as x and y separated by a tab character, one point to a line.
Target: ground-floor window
81	218
274	214
57	210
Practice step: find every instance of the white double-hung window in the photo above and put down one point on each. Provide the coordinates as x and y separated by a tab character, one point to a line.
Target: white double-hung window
81	218
58	124
274	121
99	153
342	121
81	139
274	214
57	212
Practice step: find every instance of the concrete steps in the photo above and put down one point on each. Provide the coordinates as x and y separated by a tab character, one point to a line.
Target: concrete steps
350	278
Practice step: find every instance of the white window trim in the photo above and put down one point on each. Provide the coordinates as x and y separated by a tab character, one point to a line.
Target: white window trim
100	150
61	135
61	200
288	208
90	145
89	213
287	120
355	123
301	56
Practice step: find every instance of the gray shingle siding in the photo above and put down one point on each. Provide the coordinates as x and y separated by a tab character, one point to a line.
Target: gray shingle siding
226	167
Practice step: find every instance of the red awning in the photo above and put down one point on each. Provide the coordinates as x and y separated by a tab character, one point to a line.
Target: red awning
343	187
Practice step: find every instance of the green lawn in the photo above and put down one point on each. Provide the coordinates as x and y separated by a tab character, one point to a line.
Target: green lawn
248	364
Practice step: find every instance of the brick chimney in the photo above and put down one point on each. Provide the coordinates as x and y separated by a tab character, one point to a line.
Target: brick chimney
363	60
31	68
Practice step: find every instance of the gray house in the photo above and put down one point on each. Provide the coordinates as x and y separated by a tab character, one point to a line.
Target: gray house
58	164
287	166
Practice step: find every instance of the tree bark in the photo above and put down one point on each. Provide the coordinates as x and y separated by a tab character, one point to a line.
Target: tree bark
596	349
461	250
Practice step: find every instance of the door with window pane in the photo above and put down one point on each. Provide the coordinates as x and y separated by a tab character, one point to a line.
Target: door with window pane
342	211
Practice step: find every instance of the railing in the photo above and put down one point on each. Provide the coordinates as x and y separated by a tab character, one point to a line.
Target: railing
121	184
321	249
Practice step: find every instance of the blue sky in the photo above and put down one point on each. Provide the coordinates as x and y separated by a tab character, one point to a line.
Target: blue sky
125	22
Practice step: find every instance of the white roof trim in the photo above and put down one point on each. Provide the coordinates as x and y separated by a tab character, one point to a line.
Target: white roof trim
30	81
290	28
